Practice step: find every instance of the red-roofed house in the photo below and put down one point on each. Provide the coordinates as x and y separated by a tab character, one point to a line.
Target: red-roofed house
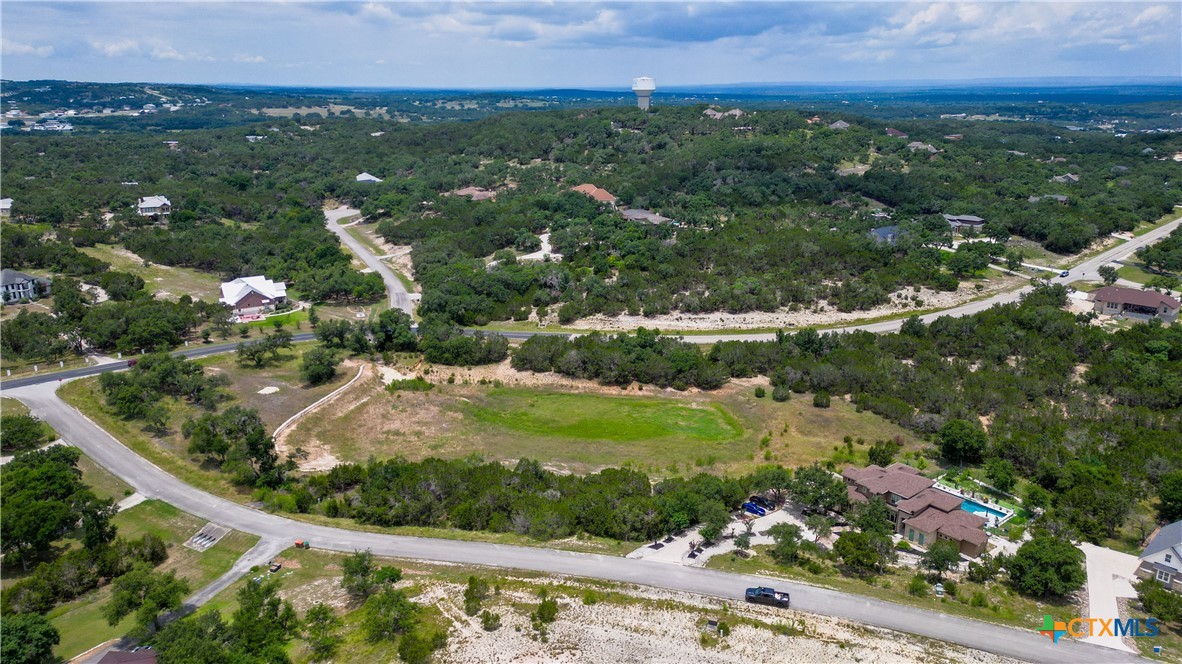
895	132
919	511
1117	301
601	195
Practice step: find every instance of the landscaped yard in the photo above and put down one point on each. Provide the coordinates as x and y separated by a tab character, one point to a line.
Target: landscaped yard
80	622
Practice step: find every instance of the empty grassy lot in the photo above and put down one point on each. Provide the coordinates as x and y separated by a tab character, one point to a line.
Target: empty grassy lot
164	281
80	622
580	426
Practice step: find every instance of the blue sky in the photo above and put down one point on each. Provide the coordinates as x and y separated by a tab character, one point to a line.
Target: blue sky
583	44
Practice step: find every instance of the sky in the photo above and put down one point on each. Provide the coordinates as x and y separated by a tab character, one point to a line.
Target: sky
581	44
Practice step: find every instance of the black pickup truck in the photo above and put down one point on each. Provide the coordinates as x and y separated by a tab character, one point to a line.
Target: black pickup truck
763	595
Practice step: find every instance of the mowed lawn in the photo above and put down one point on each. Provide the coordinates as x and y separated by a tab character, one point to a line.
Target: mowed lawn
164	281
81	623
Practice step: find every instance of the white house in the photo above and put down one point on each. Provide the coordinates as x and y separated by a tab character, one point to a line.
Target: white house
366	177
252	295
5	207
154	205
20	286
1162	558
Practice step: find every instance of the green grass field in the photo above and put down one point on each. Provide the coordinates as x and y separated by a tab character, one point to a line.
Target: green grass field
1135	272
81	623
589	417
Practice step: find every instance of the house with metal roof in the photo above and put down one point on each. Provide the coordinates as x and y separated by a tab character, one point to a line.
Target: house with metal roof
154	205
253	295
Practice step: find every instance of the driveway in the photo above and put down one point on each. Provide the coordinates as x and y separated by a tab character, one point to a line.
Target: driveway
399	296
1110	575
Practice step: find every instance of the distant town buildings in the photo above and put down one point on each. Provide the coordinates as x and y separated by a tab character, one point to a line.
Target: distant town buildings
718	115
153	206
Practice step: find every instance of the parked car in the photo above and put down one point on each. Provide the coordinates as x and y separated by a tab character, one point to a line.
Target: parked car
132	363
762	595
754	509
762	502
1064	273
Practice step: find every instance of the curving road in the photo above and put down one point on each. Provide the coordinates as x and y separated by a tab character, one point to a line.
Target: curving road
153	482
399	297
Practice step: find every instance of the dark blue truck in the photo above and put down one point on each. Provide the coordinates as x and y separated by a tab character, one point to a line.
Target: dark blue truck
770	596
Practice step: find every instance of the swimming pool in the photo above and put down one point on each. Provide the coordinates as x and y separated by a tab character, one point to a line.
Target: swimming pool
983	510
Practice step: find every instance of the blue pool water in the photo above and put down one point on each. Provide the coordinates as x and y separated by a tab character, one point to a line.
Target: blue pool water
982	510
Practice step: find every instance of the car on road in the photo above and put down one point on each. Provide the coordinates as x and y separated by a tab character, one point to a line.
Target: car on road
754	509
769	596
132	363
1064	273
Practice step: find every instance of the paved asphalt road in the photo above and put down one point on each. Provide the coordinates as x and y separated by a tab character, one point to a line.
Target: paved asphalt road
153	482
399	297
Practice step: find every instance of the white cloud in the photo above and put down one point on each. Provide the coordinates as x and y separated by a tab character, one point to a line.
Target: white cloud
249	59
9	47
117	48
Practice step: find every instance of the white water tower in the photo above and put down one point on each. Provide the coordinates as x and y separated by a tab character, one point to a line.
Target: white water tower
644	88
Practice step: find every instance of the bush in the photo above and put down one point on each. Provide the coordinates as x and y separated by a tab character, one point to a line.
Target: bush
950	588
979	600
319	366
416	384
760	392
489	621
918	586
781	393
821	399
903	545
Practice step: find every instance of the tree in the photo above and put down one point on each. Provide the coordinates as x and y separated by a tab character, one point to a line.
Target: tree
392	332
200	639
414	649
27	638
786	538
1108	274
21	432
821	525
263	621
146	593
1169	491
857	551
961	442
771	478
97	528
321	625
1036	497
882	452
714	518
942	556
388	614
821	399
818	488
319	365
1047	566
474	594
1001	474
873	517
357	576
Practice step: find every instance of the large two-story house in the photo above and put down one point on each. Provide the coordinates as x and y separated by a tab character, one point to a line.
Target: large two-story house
921	513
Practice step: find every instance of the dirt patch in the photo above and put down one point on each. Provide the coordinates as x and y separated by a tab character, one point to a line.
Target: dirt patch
326	591
666	626
316	454
822	314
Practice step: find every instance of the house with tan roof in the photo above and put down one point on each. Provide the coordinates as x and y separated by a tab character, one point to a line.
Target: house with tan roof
919	511
600	195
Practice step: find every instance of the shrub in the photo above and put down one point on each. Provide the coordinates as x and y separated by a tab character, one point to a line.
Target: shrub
918	586
979	600
416	384
781	393
489	621
760	392
950	588
903	545
821	399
